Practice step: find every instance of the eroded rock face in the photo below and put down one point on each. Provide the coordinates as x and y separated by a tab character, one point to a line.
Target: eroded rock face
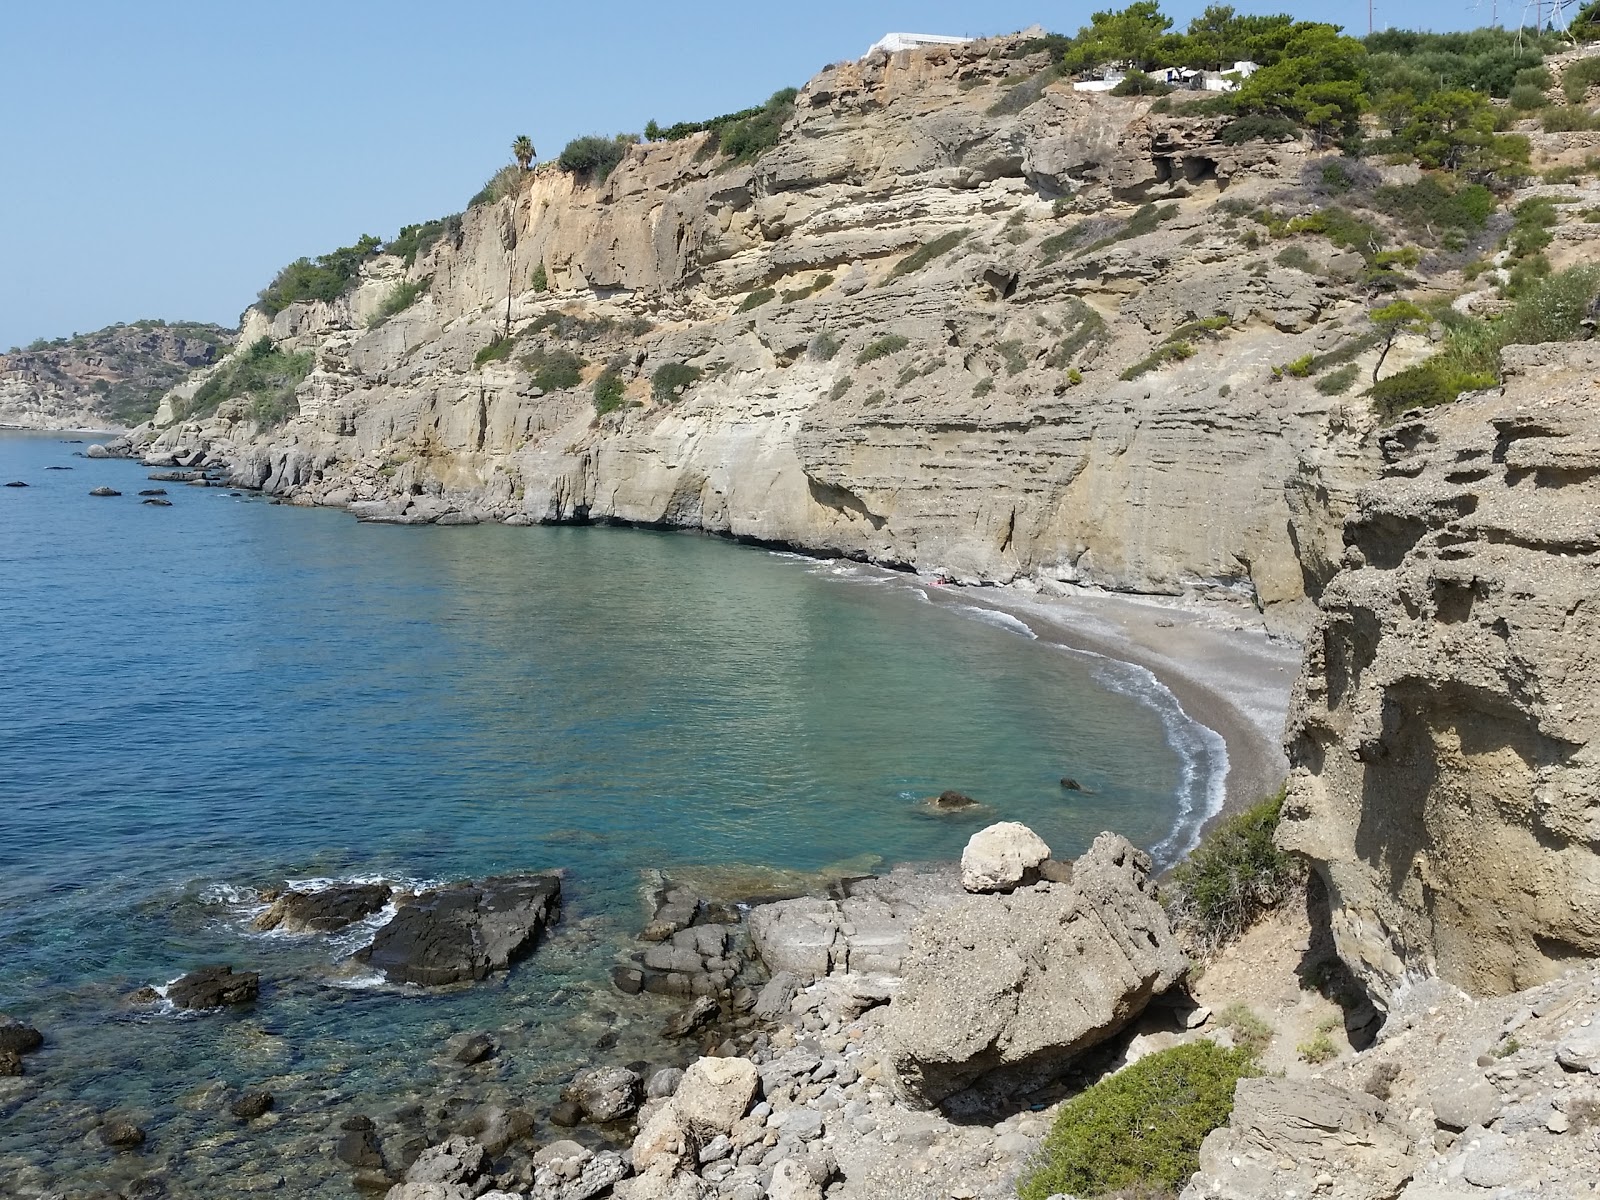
465	931
1444	783
1028	979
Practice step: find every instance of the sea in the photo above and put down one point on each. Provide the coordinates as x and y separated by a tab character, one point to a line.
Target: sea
203	700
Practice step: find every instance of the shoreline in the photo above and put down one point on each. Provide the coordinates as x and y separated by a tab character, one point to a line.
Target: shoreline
1225	671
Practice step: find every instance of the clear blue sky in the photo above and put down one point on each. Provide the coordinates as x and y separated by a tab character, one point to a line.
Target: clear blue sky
163	158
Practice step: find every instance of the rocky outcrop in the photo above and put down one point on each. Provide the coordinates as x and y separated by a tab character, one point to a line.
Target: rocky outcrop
1023	981
464	931
1444	781
112	378
323	910
214	987
16	1039
980	412
1002	857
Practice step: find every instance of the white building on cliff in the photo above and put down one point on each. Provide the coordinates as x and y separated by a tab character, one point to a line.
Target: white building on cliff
893	43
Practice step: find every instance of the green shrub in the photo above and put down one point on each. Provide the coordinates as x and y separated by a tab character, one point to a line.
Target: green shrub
1337	383
840	387
1574	119
1137	83
1527	98
610	392
1257	127
1249	1032
540	280
504	182
594	156
498	349
889	343
262	374
746	137
672	379
926	253
401	297
823	346
1299	259
1144	220
1020	97
1299	368
800	293
1159	357
982	388
554	370
756	299
1578	78
324	278
1142	1127
1233	876
414	241
1437	203
1082	328
1058	244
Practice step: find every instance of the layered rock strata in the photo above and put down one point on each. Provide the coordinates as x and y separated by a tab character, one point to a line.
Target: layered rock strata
1442	731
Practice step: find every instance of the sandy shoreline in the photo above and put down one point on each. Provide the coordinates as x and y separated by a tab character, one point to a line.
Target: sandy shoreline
1221	665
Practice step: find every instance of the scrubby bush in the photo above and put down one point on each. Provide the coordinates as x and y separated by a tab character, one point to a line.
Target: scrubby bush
1137	83
504	182
823	346
747	137
324	278
756	299
498	349
1436	203
540	280
1248	1031
671	379
1573	119
263	374
1298	259
414	241
1141	1128
926	253
594	156
1337	383
1578	78
889	343
1527	98
1234	876
610	392
554	370
401	297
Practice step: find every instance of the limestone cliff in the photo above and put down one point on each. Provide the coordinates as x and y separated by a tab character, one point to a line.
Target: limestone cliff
902	329
110	379
1441	735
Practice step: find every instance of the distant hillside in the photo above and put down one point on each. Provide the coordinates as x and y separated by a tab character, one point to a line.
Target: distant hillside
113	377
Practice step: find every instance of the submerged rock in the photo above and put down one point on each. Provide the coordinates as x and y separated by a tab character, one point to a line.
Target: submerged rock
104	491
464	931
18	1036
604	1093
214	987
1028	979
692	1019
16	483
951	801
157	502
326	909
251	1105
121	1135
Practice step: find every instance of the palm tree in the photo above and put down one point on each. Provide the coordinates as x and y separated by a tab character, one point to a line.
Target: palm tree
522	150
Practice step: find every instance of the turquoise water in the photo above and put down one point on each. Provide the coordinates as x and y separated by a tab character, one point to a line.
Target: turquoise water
200	700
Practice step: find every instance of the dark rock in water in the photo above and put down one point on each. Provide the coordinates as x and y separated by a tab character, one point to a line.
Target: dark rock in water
16	483
358	1123
104	491
566	1114
10	1063
476	1049
153	491
1068	783
607	1040
326	910
157	502
464	931
950	799
251	1105
172	476
376	1182
121	1135
359	1148
718	912
214	987
145	995
18	1036
236	495
698	1015
629	980
146	1187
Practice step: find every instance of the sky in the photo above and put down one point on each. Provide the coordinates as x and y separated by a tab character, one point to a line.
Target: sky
164	158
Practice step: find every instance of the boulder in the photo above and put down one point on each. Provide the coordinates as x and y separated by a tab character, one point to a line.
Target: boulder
776	996
1001	857
325	909
457	1160
214	987
473	1048
664	1082
692	1019
104	491
121	1135
604	1093
251	1105
714	1093
18	1036
1302	1137
1025	980
791	1180
598	1173
464	931
97	451
16	483
951	801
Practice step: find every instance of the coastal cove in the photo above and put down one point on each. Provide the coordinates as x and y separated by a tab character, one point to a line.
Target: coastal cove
227	694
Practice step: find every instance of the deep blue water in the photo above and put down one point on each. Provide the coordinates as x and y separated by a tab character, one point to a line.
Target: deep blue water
200	700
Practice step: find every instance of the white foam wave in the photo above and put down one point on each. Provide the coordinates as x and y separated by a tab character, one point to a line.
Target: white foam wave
1000	620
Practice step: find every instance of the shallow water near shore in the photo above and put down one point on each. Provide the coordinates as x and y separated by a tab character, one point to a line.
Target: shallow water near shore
202	700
